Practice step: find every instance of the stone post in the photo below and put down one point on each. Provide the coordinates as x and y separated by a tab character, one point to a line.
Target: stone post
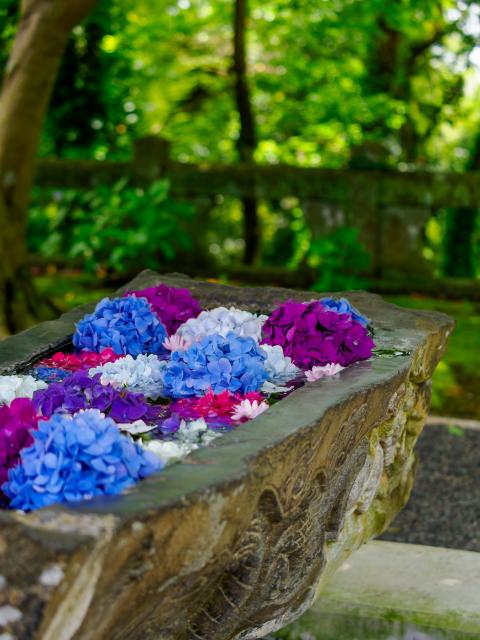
151	158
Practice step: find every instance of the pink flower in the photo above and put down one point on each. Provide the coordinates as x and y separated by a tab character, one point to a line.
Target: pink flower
248	409
316	373
77	361
213	406
176	343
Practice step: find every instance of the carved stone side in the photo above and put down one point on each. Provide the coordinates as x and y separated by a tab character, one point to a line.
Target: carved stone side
387	492
266	546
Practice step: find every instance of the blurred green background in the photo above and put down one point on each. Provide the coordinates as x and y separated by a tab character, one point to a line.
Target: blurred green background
386	86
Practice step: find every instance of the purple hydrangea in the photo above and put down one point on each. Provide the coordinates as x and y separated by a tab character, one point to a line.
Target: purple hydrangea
233	363
314	336
342	305
76	458
80	391
126	325
173	306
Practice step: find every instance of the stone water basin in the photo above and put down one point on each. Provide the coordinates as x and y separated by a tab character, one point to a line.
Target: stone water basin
237	540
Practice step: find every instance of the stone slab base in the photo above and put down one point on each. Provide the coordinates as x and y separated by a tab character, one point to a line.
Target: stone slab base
428	587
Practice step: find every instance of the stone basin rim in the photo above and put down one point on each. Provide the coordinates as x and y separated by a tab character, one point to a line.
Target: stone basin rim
228	461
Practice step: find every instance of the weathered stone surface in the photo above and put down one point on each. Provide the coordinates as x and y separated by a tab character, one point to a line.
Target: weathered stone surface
237	540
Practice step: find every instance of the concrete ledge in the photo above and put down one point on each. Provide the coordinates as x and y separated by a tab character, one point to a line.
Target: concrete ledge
431	587
433	421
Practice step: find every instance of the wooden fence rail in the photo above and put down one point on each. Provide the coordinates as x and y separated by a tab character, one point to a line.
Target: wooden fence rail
389	207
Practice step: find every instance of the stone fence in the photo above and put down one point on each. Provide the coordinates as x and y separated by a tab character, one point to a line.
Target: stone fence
390	208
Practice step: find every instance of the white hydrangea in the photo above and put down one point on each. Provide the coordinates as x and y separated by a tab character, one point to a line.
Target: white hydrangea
12	387
143	374
222	321
280	367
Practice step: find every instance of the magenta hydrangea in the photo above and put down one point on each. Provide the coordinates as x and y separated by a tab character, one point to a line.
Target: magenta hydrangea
17	420
315	336
173	306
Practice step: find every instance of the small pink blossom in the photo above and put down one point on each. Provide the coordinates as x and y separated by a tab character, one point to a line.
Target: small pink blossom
176	343
248	409
316	373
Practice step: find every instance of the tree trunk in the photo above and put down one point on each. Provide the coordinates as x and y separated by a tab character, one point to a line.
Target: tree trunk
28	80
247	140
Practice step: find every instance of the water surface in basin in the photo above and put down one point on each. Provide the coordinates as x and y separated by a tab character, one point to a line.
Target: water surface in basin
342	627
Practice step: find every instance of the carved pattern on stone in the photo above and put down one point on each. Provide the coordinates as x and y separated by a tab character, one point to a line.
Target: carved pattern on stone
285	543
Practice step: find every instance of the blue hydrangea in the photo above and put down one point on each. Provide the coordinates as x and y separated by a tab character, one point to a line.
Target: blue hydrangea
230	363
342	305
50	374
76	458
126	325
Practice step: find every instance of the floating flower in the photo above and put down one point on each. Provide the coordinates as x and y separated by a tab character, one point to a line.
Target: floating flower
176	343
170	424
168	451
190	436
82	360
279	367
196	432
126	325
316	373
342	305
137	428
248	409
173	306
49	374
80	391
17	421
212	407
230	363
143	374
75	458
222	321
12	387
314	336
268	388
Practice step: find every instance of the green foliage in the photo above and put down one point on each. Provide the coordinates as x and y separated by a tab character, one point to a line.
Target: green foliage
120	228
455	431
457	377
462	235
340	259
285	233
8	27
93	110
333	84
